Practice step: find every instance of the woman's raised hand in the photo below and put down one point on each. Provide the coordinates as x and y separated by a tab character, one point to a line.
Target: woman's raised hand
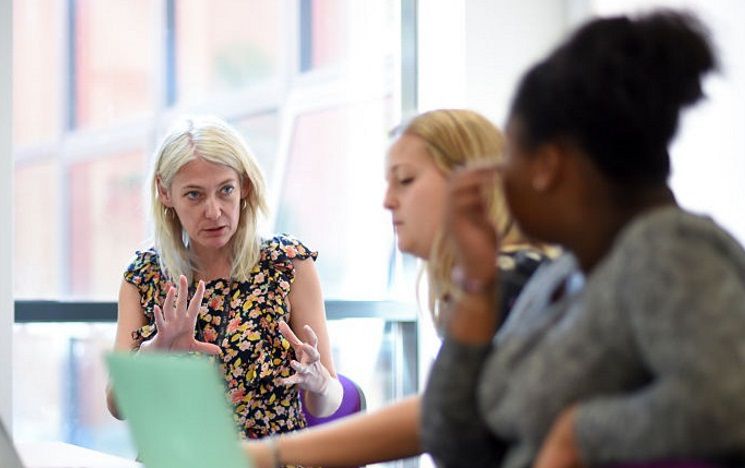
175	322
468	225
310	374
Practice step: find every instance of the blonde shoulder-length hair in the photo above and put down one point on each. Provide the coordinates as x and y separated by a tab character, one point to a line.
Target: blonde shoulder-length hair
213	140
454	138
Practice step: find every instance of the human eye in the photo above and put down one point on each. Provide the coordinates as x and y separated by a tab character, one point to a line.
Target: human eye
407	180
192	195
227	189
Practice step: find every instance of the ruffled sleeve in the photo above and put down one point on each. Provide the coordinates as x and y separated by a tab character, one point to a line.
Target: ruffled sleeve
145	274
280	251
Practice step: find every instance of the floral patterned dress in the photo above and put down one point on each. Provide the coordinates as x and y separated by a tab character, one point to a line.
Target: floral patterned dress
241	318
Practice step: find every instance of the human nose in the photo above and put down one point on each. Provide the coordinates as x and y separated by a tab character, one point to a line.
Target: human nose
212	208
389	199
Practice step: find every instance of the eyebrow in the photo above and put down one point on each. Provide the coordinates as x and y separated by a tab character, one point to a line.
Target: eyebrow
193	186
395	167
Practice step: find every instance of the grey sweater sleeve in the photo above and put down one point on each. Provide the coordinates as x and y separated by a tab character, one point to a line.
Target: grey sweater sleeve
685	302
452	429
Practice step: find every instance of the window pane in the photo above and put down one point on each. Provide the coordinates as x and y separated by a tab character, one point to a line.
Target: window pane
115	47
225	45
369	351
37	76
328	31
332	196
262	134
107	222
361	36
36	270
71	404
322	33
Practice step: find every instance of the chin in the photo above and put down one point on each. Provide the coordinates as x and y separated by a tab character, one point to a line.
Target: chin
408	248
215	243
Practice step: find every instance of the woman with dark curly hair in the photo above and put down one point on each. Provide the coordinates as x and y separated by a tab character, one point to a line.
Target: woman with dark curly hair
631	346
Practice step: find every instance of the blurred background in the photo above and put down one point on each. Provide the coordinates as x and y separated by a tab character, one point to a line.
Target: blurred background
314	86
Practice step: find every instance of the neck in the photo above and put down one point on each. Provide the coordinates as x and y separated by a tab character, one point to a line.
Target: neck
212	264
591	241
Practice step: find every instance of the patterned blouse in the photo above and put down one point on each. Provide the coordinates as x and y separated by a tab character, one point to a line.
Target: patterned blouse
241	318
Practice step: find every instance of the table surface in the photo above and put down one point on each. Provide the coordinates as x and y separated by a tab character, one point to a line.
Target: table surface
63	455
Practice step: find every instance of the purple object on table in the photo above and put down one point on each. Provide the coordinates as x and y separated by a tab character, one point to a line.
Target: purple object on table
352	402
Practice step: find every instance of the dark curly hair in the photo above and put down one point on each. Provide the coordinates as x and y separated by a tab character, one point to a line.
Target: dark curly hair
616	88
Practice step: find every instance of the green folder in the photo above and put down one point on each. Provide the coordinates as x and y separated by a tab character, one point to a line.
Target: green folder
176	409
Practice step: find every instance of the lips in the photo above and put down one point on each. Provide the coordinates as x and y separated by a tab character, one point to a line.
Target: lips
215	230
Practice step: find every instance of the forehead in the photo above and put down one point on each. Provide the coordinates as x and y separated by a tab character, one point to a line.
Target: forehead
408	150
203	173
514	131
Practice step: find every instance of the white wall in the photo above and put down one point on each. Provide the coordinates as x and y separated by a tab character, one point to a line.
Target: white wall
6	213
708	156
472	53
441	61
502	40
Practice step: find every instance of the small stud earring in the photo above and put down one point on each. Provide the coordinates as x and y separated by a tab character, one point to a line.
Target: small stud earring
539	185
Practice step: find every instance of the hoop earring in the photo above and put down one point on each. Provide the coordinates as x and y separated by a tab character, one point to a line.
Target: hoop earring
244	204
167	212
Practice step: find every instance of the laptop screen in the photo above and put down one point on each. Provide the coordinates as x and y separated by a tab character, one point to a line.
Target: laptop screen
176	409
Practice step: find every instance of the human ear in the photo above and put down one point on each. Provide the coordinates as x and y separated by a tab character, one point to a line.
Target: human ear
245	188
163	194
547	164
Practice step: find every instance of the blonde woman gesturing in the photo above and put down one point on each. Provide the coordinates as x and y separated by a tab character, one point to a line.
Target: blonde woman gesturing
211	284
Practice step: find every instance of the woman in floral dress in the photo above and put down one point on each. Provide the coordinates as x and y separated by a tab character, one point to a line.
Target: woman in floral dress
211	284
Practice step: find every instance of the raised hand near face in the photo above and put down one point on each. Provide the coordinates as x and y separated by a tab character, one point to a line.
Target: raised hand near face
175	322
468	225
